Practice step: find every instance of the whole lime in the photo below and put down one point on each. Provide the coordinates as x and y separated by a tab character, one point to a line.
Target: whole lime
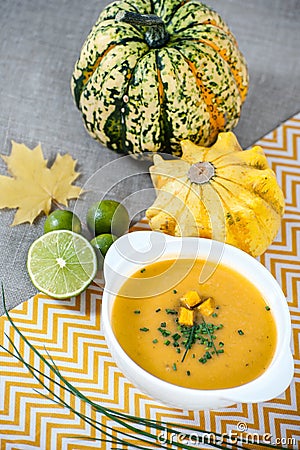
103	242
108	216
62	220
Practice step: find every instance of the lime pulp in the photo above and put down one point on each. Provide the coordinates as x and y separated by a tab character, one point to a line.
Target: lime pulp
61	263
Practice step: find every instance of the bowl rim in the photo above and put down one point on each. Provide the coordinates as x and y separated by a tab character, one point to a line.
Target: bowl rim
247	392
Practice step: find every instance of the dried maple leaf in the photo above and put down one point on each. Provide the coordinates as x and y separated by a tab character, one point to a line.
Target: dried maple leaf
33	185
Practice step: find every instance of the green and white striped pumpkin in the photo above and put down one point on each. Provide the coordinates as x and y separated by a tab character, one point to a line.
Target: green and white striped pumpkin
154	72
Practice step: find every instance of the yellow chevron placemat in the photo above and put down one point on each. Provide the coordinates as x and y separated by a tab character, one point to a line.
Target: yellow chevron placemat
70	331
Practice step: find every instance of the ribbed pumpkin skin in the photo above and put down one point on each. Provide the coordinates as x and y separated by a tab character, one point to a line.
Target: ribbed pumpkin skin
137	99
240	204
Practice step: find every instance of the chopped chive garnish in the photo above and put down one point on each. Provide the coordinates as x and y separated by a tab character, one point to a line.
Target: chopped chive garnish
143	270
174	367
240	332
174	291
164	332
137	311
221	350
176	336
207	328
190	340
171	311
155	341
188	373
203	333
268	308
144	329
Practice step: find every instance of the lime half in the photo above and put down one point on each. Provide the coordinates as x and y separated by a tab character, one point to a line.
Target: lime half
61	263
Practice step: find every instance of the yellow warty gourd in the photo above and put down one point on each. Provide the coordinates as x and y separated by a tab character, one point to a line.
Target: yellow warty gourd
220	192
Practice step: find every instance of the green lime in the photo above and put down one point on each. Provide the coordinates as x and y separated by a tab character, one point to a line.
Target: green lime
103	242
62	220
108	216
61	263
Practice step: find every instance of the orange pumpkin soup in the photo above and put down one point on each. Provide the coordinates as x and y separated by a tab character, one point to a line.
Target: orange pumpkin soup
212	335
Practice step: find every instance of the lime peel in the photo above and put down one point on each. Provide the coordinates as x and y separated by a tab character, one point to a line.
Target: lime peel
61	263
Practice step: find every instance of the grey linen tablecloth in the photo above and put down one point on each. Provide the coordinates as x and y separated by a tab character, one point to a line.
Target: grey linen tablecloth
39	44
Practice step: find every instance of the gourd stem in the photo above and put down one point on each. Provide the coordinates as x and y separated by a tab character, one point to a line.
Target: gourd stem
201	172
156	36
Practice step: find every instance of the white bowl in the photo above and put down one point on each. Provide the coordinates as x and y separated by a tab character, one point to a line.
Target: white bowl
132	251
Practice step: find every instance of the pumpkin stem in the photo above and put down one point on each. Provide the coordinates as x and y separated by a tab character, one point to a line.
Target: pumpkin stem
156	36
201	172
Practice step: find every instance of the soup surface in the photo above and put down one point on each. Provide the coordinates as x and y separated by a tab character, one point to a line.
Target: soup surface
230	344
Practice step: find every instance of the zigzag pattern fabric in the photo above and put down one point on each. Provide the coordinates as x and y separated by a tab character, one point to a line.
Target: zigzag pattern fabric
70	331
